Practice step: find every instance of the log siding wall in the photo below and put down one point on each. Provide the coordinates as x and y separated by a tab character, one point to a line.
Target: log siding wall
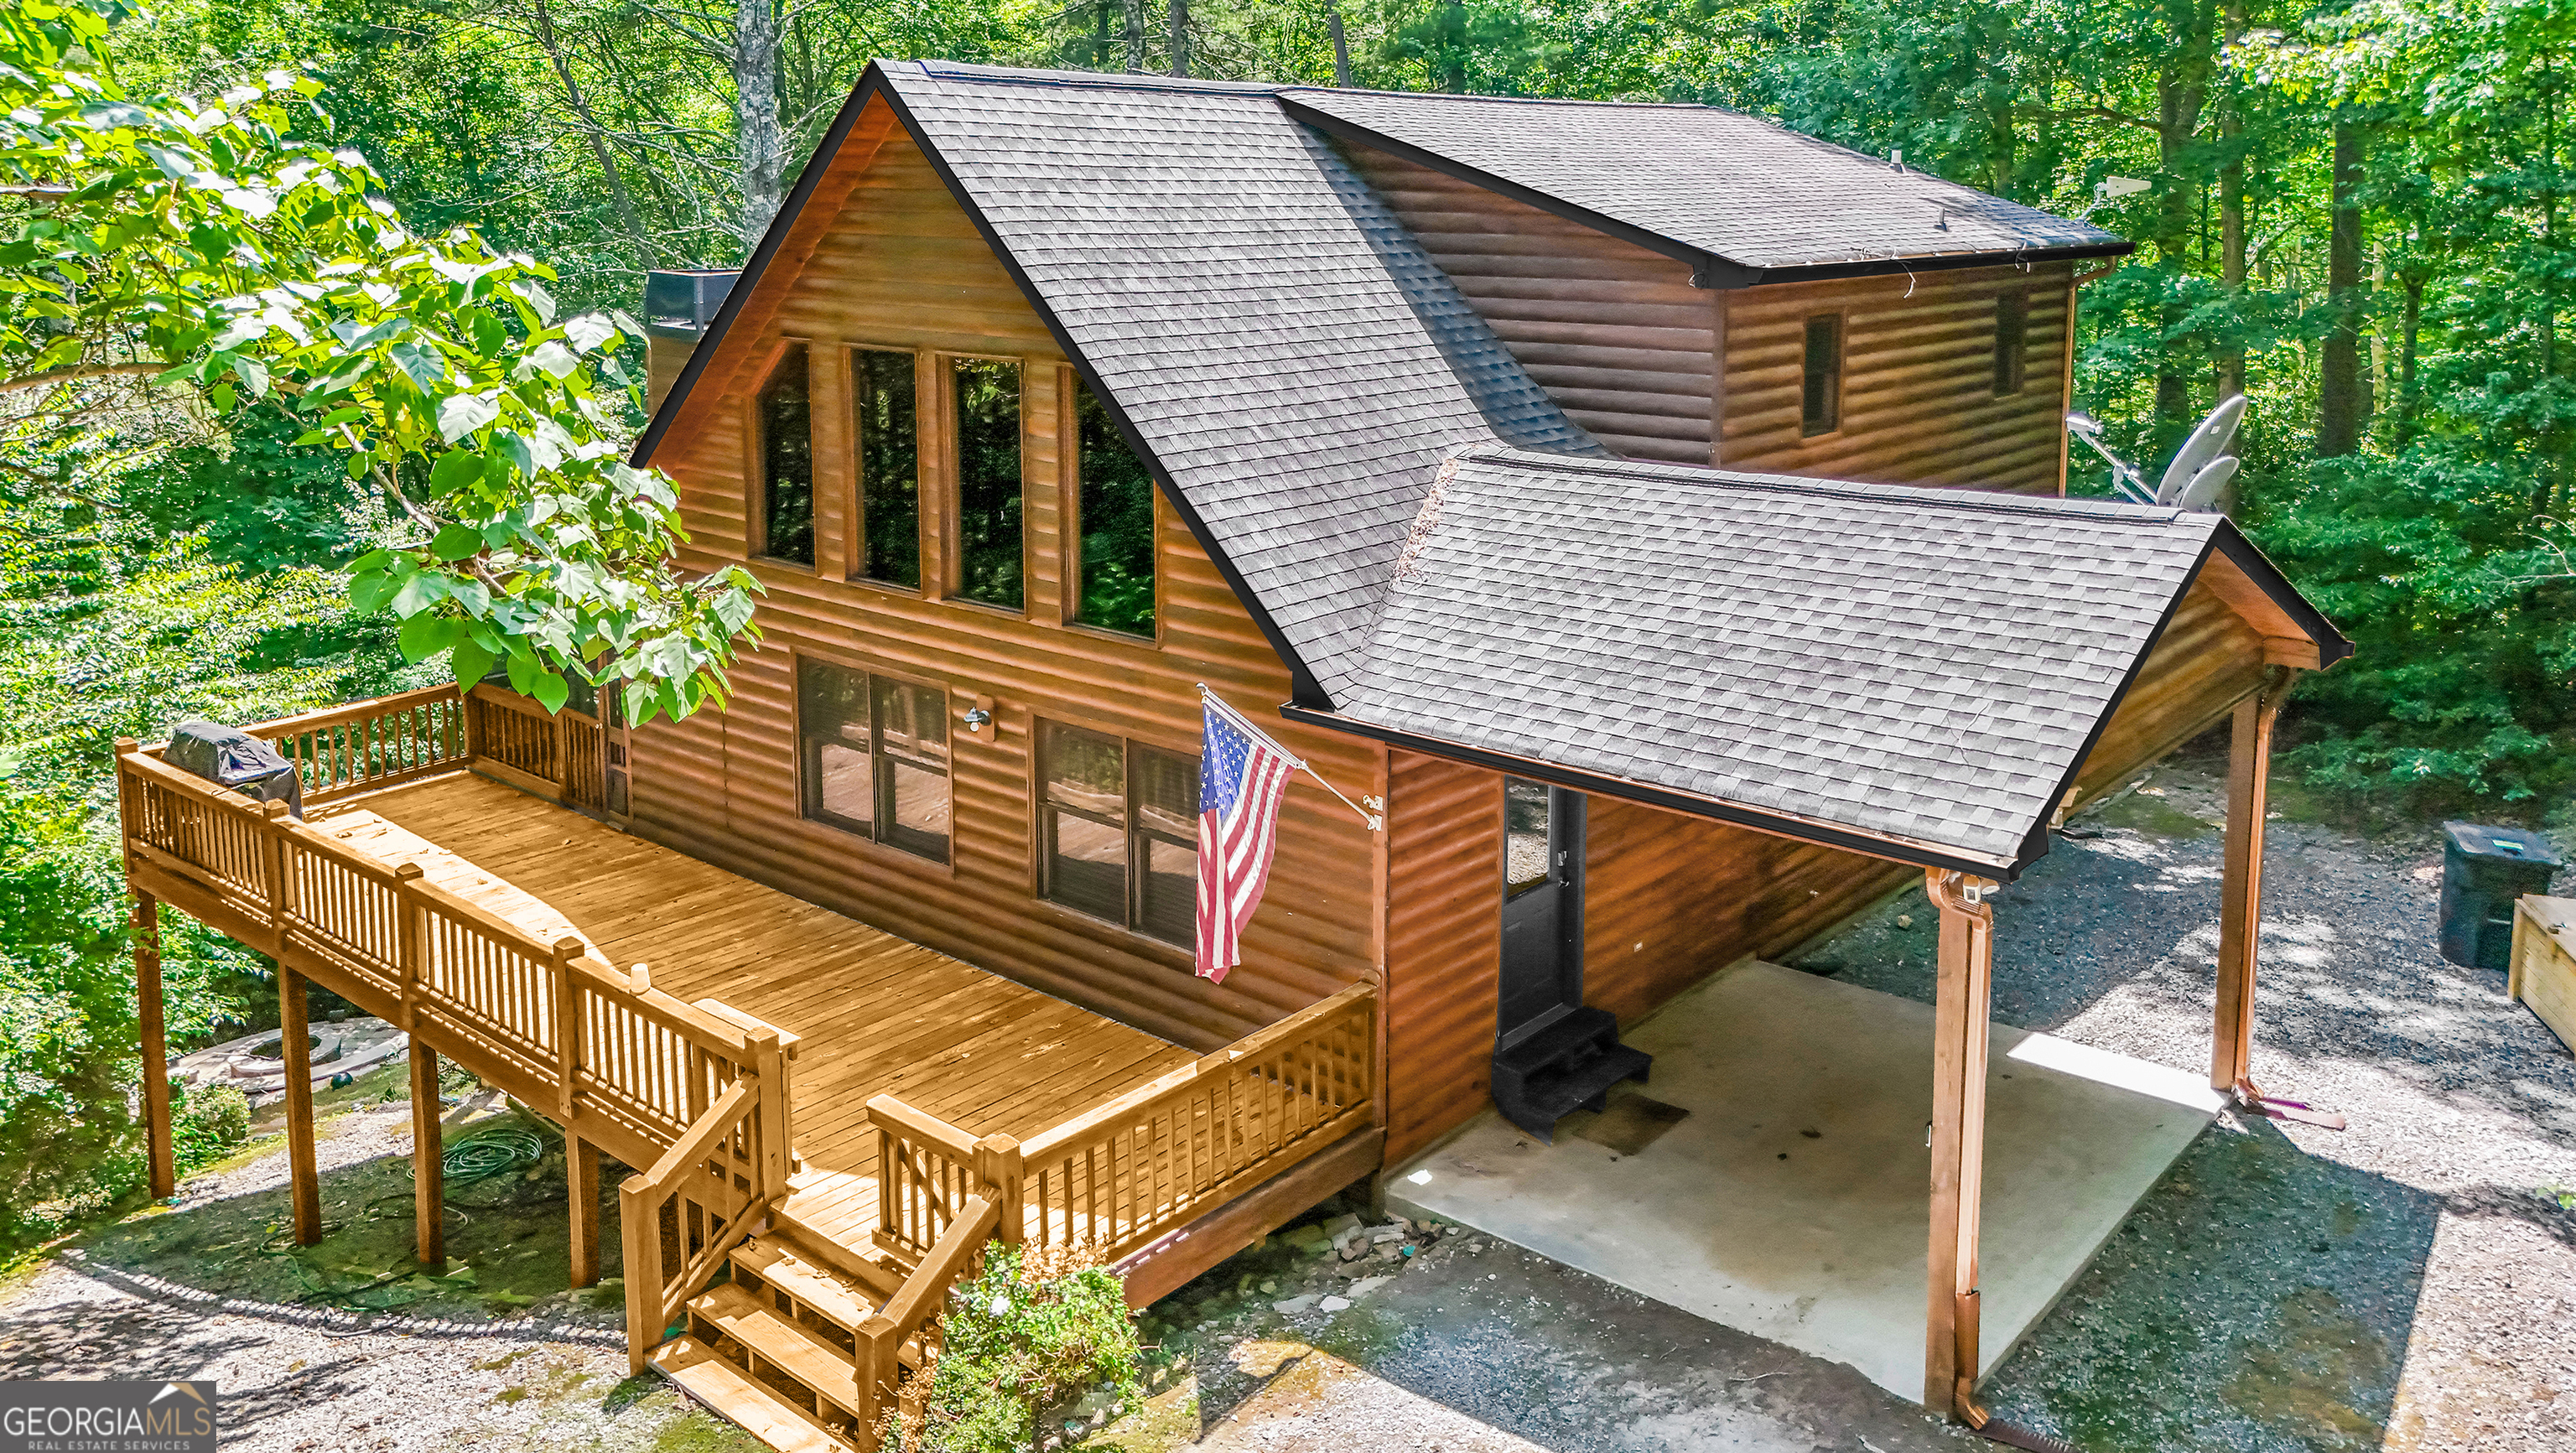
1616	334
902	267
1918	399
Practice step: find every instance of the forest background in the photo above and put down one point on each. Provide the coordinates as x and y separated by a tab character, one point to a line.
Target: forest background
2352	215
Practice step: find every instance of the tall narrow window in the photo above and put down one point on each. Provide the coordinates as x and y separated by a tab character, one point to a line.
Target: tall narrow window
889	466
1118	831
988	480
1117	507
874	756
1821	411
2012	331
786	423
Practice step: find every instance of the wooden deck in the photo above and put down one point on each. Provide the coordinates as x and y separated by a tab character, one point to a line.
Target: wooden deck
876	1014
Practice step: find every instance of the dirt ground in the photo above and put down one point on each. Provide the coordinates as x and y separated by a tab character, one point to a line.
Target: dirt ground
2408	1284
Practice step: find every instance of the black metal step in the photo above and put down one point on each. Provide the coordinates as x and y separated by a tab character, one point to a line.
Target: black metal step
1566	1065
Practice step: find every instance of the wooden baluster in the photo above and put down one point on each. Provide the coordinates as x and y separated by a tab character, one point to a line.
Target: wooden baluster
567	1017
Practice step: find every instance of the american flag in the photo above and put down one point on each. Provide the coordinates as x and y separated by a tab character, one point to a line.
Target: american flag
1241	776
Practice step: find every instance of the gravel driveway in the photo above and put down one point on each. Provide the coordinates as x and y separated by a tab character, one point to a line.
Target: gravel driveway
2402	1284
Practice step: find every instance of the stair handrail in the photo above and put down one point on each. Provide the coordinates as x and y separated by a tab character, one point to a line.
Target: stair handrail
911	1315
713	1209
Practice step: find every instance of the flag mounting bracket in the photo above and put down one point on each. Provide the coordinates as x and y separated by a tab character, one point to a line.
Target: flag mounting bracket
1374	814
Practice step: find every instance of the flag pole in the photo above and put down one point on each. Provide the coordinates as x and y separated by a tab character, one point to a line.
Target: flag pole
1375	822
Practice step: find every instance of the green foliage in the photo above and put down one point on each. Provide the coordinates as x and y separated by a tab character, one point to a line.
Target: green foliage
209	244
67	1029
207	1123
1021	1341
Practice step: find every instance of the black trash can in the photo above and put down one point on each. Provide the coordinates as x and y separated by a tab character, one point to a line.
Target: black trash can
2484	869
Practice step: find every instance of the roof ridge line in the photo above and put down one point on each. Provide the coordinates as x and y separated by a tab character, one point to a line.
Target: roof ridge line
1936	496
1105	80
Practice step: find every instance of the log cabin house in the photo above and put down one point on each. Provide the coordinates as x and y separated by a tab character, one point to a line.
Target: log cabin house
1657	513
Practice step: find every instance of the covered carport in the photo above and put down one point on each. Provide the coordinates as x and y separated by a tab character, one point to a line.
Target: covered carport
1802	694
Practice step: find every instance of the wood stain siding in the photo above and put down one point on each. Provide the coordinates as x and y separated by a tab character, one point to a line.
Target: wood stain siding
1616	334
1669	899
902	267
1444	941
1918	399
2205	663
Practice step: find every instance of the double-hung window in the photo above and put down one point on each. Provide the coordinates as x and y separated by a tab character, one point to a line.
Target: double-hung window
874	756
1118	830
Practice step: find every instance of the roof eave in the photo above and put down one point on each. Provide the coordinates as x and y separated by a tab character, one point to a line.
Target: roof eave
1708	270
1788	825
871	81
2332	645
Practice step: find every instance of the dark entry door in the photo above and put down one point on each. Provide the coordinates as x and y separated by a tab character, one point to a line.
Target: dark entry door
1542	901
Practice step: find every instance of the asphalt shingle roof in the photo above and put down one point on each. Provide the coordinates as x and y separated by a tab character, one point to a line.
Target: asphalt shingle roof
1292	357
1730	185
1924	664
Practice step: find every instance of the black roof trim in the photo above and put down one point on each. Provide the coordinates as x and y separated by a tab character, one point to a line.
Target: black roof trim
1302	683
1805	830
748	281
2332	644
1708	270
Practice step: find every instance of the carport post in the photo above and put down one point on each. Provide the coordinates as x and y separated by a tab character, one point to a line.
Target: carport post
2240	894
1961	1009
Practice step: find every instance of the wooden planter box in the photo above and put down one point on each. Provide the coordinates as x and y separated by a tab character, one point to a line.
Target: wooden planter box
2543	973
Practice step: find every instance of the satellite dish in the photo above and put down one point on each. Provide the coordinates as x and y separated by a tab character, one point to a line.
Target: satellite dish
2204	486
2202	449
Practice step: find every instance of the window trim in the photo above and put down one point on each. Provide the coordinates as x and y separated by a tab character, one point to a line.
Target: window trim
1068	413
925	471
952	492
755	498
1842	358
1181	955
2012	367
874	845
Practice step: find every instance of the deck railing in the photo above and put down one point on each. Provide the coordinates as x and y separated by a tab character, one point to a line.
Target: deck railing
370	744
620	1064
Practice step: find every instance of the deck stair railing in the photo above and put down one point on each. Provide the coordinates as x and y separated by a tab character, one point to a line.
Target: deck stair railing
1113	1178
697	1092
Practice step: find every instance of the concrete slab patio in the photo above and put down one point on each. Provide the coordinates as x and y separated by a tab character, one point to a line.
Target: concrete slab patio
1793	1200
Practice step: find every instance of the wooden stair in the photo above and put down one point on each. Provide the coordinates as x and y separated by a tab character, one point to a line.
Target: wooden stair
774	1348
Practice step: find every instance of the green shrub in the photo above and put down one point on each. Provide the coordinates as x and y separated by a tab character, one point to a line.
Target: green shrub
1020	1341
207	1124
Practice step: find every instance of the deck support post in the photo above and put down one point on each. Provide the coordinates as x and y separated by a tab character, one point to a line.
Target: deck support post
1960	1013
581	1187
156	1046
292	1034
428	1148
2240	894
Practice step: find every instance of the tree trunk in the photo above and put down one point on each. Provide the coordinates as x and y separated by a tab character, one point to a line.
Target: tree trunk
761	142
1180	37
2231	219
2339	361
2406	397
1135	10
1341	47
580	104
2177	107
